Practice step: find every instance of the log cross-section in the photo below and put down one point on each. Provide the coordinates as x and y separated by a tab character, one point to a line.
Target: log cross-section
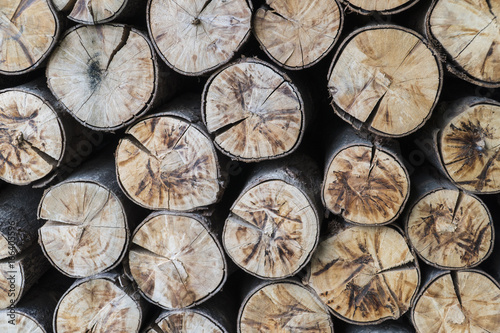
385	7
96	11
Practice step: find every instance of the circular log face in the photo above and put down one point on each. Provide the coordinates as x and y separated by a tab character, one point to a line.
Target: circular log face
384	6
297	34
86	232
196	36
470	149
464	301
11	282
167	163
94	11
468	31
22	323
365	185
31	137
97	305
450	229
28	30
254	111
187	322
365	275
104	75
385	78
272	230
175	261
284	307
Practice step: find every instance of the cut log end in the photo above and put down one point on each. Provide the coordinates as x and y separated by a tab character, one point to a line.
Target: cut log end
463	301
272	230
105	75
365	275
28	31
386	79
451	229
254	111
86	232
31	137
91	12
166	162
299	34
365	185
186	321
211	32
21	321
380	6
176	261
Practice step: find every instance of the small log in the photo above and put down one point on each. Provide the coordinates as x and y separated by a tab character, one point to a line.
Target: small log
298	34
467	34
458	301
384	7
28	32
273	226
167	160
283	306
97	11
254	111
365	274
366	183
196	37
385	78
176	260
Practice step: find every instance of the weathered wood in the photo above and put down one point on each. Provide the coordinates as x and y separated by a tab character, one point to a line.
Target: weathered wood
176	260
386	79
28	32
298	34
364	181
388	326
97	11
196	37
254	111
384	7
365	274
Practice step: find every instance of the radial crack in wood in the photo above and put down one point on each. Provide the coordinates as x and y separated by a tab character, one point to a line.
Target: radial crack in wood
94	11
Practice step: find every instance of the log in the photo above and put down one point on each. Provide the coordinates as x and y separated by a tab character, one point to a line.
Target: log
167	160
365	274
447	227
383	7
298	34
106	302
254	111
28	32
97	11
107	75
273	226
385	79
177	260
388	326
467	35
365	182
458	301
283	306
196	37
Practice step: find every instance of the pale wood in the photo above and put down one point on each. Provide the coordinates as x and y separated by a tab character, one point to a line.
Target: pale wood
195	37
463	301
29	29
176	260
254	111
365	274
297	34
283	306
385	7
96	11
467	32
385	78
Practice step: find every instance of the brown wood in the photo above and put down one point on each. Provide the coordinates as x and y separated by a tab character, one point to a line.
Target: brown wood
384	7
97	11
385	79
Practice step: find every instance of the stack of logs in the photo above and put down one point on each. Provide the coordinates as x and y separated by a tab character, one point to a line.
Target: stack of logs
249	166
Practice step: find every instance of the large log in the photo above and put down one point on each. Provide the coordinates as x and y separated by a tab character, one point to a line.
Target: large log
97	11
384	7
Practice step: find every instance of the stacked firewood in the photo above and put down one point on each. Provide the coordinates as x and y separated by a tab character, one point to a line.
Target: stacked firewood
249	166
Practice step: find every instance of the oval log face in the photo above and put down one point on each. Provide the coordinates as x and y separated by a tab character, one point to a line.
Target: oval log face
213	29
385	78
284	307
272	230
186	321
28	30
365	275
104	74
297	34
11	282
451	229
470	149
458	302
22	323
175	261
384	6
31	137
95	11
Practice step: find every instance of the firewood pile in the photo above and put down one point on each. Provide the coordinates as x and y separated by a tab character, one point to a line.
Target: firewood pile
249	166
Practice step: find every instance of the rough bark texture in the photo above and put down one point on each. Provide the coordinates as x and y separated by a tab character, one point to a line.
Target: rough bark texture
386	79
96	11
384	7
298	34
